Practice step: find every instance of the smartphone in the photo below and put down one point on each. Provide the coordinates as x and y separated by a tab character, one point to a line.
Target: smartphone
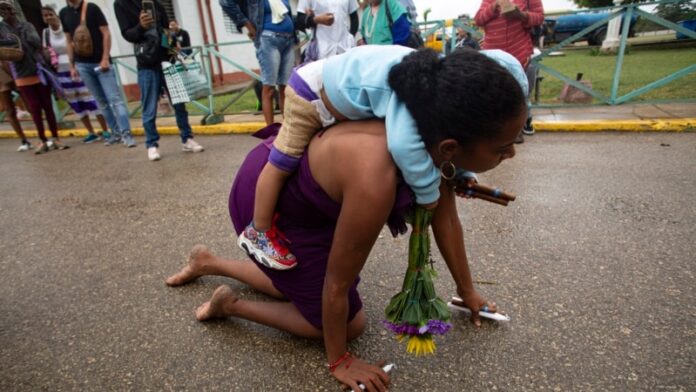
149	7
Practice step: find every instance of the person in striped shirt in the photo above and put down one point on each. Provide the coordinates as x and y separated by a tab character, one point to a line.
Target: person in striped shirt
508	26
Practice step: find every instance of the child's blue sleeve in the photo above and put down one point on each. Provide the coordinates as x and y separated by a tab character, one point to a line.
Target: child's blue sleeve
408	151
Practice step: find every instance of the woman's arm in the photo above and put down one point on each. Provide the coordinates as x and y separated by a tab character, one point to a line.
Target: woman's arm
450	240
489	9
535	13
366	202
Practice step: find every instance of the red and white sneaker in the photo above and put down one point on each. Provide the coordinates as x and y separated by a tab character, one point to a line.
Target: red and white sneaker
267	247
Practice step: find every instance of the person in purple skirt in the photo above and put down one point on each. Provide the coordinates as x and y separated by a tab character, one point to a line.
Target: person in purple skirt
74	91
346	188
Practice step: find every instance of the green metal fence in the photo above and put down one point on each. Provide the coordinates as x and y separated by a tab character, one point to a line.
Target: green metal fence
626	13
441	34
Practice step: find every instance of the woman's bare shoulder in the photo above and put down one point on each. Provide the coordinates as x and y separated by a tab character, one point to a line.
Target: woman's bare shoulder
351	153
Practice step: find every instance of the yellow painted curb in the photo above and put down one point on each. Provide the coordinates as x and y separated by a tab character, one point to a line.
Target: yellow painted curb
661	125
218	129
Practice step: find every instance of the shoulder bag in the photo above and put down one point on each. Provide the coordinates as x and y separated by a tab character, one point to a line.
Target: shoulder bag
82	39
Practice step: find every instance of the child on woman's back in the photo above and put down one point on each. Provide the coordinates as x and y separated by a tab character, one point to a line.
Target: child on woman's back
366	82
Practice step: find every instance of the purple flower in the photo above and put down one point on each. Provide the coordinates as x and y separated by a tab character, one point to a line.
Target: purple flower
436	327
403	329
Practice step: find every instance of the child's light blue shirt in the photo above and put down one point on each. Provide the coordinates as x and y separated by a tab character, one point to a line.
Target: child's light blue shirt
357	84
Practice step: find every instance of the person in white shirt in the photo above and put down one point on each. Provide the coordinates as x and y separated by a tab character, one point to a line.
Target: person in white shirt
335	23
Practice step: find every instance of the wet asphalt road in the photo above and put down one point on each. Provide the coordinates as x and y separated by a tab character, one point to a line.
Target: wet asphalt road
595	263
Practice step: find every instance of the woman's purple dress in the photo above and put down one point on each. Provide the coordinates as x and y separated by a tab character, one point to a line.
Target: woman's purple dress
308	218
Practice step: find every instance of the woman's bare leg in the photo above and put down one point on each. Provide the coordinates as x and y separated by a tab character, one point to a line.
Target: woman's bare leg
280	315
201	262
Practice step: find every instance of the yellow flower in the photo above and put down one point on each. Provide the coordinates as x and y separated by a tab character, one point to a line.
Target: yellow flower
420	345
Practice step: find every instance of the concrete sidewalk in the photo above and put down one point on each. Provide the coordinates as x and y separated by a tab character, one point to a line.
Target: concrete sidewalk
672	117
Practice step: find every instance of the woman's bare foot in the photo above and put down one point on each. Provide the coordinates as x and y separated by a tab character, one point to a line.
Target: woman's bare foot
193	270
219	305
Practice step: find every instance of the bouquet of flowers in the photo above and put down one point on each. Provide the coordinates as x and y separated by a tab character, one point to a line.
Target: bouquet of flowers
417	313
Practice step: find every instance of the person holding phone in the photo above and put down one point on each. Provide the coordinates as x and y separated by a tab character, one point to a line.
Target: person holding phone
138	21
96	71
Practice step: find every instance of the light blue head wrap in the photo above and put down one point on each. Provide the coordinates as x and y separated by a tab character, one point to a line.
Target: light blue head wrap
510	63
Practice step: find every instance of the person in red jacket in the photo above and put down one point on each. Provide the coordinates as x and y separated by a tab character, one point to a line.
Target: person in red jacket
508	26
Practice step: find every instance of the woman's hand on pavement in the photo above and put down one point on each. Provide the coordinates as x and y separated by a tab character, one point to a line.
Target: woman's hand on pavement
355	371
474	301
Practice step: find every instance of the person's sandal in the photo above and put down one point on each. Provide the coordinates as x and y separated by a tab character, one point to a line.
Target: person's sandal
59	145
41	148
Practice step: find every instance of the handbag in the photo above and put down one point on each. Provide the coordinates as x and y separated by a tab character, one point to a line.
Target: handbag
185	82
11	48
311	52
82	39
414	41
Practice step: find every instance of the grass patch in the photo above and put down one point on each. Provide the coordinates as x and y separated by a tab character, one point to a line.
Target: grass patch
246	103
640	67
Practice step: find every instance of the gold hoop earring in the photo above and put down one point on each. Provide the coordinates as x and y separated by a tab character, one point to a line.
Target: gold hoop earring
448	166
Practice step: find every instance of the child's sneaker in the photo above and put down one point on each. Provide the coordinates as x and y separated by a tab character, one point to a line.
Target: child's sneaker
267	247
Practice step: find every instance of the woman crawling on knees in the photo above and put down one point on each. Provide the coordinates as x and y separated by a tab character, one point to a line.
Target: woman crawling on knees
333	209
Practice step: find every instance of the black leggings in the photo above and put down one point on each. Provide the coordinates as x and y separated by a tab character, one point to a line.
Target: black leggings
38	97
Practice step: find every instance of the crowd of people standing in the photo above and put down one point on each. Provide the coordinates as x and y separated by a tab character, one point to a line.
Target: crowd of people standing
298	203
58	60
89	85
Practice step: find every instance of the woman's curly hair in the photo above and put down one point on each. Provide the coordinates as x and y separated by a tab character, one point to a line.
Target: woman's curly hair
465	96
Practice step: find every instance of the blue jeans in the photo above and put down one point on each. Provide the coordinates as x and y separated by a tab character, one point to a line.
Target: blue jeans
276	56
151	83
104	87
